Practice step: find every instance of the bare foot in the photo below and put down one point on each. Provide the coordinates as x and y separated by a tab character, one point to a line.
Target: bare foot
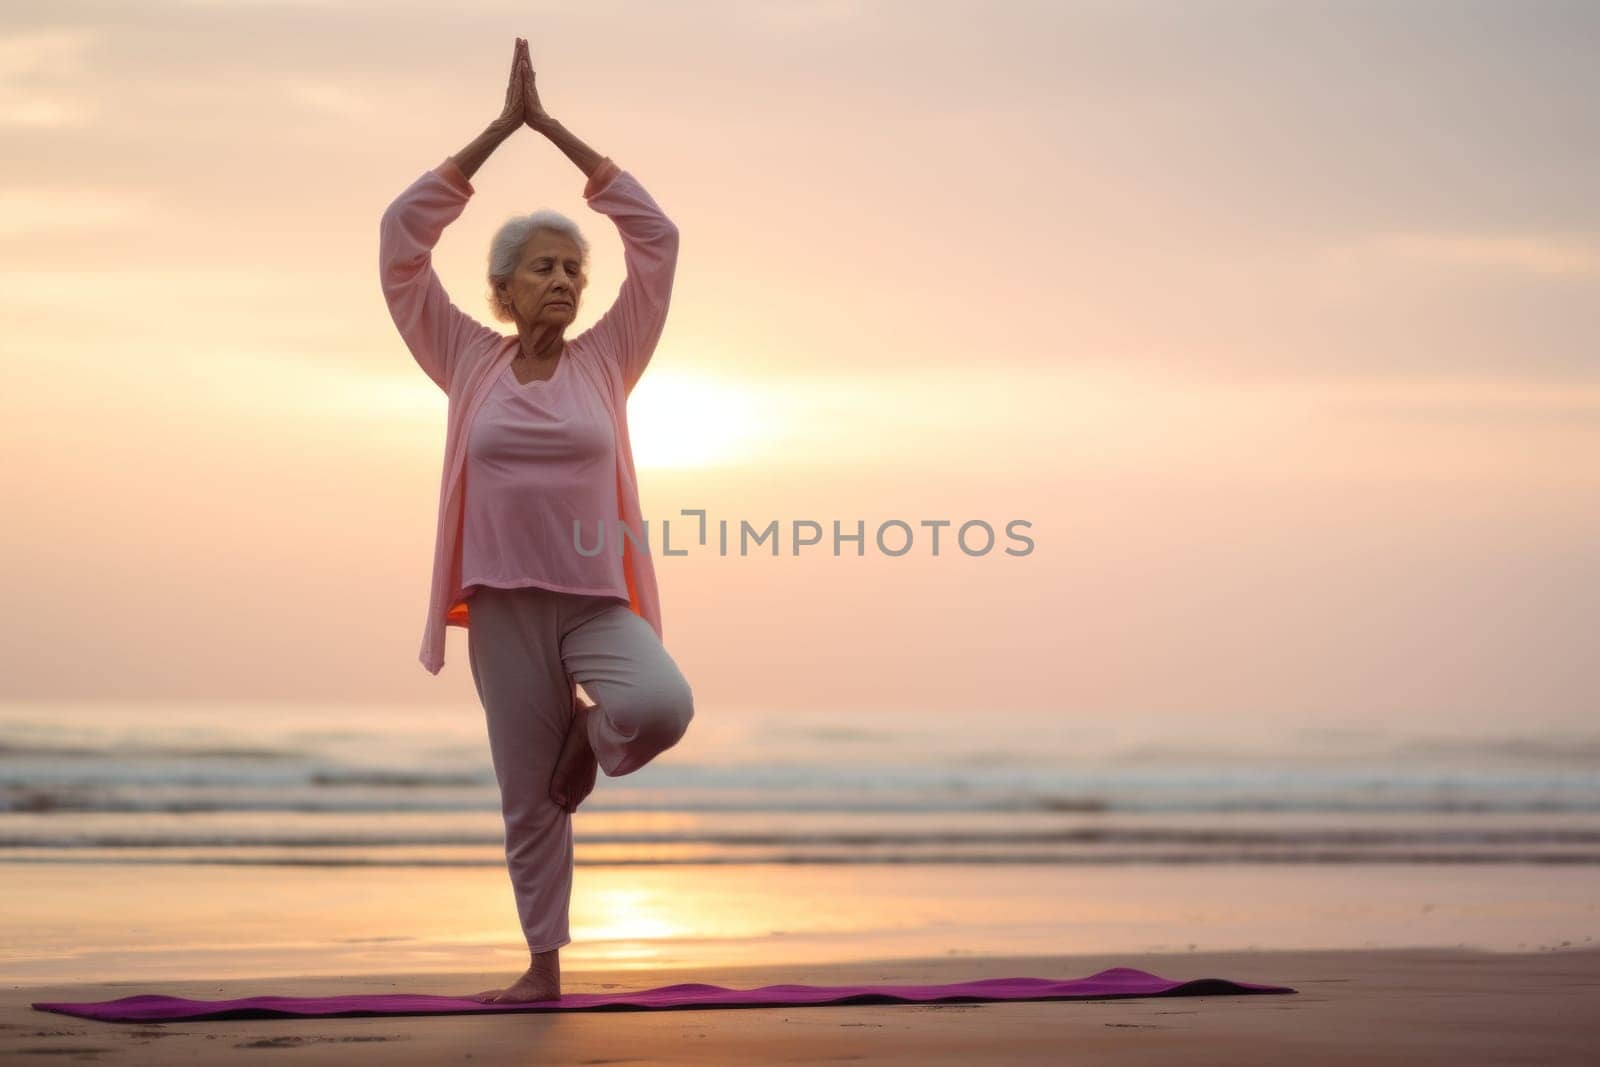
576	767
541	981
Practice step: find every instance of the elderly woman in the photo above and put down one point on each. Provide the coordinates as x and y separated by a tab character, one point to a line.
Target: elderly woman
536	446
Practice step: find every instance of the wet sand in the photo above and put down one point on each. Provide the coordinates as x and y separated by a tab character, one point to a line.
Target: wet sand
1375	1007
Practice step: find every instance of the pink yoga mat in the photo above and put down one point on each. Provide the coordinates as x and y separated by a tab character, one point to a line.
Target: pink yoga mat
1114	983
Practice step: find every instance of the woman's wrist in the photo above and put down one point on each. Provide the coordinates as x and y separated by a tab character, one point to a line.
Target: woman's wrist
470	158
585	158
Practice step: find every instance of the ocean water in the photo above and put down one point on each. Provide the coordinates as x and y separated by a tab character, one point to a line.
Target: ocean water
363	786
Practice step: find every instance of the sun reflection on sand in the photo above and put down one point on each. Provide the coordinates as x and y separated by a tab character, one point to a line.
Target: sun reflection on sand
630	924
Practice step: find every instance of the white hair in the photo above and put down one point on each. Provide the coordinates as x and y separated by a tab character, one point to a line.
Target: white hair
505	249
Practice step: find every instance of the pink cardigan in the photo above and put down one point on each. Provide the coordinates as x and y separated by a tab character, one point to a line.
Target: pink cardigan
463	357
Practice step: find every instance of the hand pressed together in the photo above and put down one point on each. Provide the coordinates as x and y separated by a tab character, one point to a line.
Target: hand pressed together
522	105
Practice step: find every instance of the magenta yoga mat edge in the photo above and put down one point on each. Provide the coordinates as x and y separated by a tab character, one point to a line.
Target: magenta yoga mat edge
1114	983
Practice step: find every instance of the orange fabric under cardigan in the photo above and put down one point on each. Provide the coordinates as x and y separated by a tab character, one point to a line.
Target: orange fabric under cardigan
464	358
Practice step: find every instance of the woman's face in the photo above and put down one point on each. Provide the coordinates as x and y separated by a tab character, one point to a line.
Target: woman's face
547	287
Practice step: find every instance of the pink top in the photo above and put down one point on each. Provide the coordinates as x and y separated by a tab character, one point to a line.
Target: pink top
466	360
540	456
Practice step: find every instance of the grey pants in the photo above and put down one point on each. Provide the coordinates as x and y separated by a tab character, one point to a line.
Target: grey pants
527	648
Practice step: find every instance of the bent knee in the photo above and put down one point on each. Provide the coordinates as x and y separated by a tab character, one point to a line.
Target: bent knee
674	708
664	710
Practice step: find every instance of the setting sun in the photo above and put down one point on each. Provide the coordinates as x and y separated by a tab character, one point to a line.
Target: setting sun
687	421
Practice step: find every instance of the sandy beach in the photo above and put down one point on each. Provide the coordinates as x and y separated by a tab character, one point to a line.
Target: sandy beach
1354	942
1409	1006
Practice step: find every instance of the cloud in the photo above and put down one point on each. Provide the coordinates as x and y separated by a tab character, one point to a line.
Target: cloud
1550	256
43	112
1508	402
42	210
327	98
49	52
34	69
809	14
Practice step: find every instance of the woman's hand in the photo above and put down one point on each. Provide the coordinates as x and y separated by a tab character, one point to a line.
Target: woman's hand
511	116
533	112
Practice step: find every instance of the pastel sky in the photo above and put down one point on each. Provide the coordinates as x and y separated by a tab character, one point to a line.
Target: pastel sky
1276	321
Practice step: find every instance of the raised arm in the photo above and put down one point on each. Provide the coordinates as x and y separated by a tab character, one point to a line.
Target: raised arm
432	326
627	333
434	329
631	327
512	115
